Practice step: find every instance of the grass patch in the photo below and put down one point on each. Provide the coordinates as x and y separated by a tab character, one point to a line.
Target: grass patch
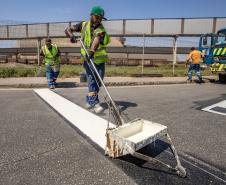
68	71
74	70
17	72
166	71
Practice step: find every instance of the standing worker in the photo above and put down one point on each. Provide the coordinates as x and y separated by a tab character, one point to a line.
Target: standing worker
195	57
51	55
95	39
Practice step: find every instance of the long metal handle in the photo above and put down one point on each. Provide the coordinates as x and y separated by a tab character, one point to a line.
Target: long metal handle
116	110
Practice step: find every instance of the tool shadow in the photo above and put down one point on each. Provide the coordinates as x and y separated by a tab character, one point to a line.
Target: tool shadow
154	150
123	105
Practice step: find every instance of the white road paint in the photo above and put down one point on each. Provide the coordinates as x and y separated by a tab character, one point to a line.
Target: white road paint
94	126
88	123
221	104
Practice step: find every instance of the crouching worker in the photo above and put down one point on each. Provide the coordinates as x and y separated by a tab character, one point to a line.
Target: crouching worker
95	39
51	55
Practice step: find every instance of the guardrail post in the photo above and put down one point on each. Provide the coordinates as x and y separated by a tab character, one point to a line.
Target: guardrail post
16	55
47	29
174	53
66	58
143	53
182	26
7	32
214	25
27	31
124	27
152	26
38	50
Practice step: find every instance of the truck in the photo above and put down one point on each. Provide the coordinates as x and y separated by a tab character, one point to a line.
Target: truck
213	46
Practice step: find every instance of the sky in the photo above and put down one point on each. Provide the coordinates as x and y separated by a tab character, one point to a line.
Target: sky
77	10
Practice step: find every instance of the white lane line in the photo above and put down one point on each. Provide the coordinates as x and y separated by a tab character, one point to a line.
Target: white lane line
196	161
221	104
88	123
91	125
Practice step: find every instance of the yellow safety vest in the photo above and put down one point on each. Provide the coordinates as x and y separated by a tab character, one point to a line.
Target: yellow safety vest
51	58
100	55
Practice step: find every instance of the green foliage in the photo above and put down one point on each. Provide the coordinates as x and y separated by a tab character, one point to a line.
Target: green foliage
68	71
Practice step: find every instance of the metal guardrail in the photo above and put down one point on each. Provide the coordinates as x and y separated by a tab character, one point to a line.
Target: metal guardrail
128	50
121	28
180	27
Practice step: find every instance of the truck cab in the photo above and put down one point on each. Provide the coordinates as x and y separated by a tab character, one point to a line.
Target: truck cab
213	46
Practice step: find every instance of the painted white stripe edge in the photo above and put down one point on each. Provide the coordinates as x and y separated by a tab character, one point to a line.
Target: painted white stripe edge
88	123
220	104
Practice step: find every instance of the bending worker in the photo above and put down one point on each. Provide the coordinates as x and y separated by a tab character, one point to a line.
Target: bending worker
51	55
95	39
195	57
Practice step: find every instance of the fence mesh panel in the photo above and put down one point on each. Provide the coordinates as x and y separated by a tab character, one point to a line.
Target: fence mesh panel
134	44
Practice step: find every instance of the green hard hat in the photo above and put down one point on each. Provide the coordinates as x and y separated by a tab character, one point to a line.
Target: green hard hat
99	11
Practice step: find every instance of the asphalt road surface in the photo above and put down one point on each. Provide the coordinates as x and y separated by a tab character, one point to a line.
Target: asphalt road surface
37	146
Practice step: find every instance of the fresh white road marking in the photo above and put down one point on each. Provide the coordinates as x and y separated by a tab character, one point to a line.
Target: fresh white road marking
91	125
221	105
88	123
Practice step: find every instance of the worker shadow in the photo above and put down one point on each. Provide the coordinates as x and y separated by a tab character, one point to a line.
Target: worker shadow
154	150
215	81
123	105
198	82
211	80
66	84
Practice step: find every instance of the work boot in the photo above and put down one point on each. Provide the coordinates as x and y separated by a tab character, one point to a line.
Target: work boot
200	80
54	82
97	108
88	106
52	87
189	81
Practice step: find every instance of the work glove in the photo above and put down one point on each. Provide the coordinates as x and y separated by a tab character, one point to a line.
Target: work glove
73	39
91	55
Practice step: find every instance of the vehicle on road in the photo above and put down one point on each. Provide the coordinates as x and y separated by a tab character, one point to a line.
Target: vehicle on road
213	45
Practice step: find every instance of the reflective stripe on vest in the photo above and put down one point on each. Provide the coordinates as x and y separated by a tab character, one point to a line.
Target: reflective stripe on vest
100	55
50	57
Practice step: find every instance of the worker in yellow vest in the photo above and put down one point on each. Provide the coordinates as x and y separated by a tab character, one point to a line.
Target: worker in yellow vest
95	39
194	58
51	55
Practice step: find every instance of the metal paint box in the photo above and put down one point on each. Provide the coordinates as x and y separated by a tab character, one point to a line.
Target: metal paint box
130	137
